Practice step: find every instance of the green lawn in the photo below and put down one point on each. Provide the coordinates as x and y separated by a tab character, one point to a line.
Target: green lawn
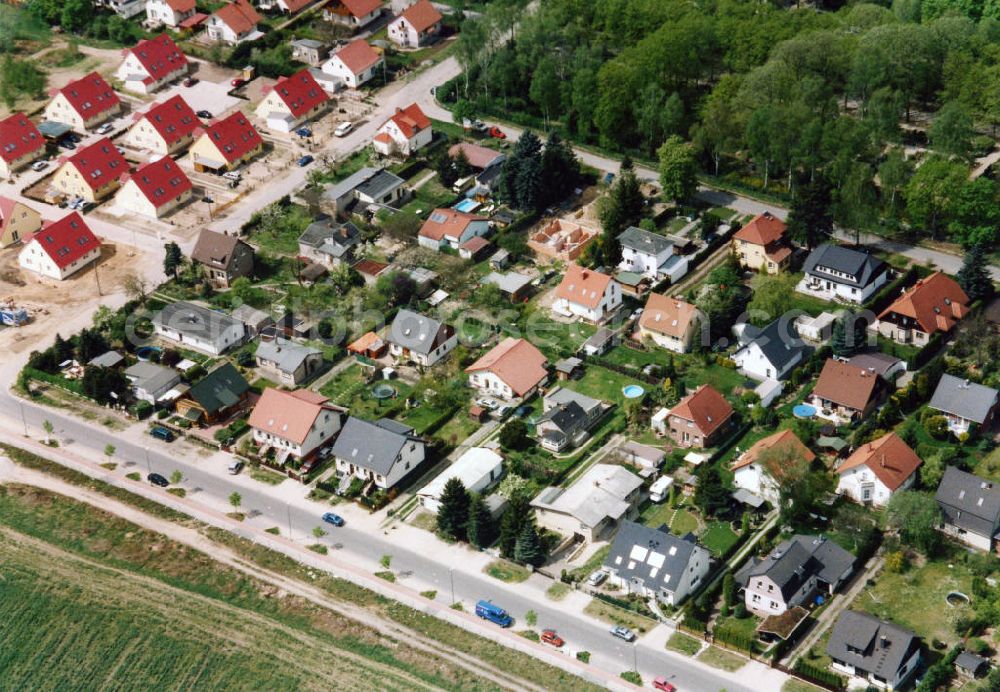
796	685
619	616
655	514
684	522
593	563
719	537
724	213
507	571
695	373
685	644
634	358
989	467
281	236
745	626
551	337
719	658
558	591
601	383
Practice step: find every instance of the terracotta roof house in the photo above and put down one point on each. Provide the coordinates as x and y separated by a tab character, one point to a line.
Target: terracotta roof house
165	129
92	173
873	652
83	104
169	12
423	340
292	6
354	13
417	25
294	424
233	23
763	245
155	189
370	270
368	345
18	221
751	474
561	240
226	144
20	143
670	323
479	157
61	248
838	273
292	101
877	469
930	306
354	64
970	508
224	257
845	393
588	294
514	368
701	419
965	404
451	228
405	132
152	64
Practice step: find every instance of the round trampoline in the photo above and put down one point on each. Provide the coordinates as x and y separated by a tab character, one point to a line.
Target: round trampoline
383	391
147	353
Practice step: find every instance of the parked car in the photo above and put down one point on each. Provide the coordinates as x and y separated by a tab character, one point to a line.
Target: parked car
305	160
235	467
494	613
233	175
487	403
660	683
204	114
335	519
522	411
623	633
161	433
157	480
550	637
237	83
497	133
104	129
190	81
474	125
597	578
344	129
39	165
501	412
67	144
304	132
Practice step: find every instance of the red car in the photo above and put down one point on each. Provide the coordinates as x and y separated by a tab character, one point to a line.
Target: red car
496	133
550	637
661	683
237	83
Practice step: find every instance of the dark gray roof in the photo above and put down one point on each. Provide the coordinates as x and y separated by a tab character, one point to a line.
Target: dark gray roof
348	184
639	240
871	645
108	359
379	184
195	320
880	363
860	265
601	337
287	356
219	389
654	557
567	417
330	237
779	343
793	561
415	332
972	663
962	398
371	445
152	377
968	501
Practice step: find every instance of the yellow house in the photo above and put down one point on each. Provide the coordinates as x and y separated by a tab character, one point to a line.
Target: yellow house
226	144
292	101
762	245
92	173
17	221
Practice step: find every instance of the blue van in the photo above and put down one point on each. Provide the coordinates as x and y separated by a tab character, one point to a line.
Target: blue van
494	613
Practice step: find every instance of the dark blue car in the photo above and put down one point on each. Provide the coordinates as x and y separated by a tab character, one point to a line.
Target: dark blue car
335	519
305	160
304	132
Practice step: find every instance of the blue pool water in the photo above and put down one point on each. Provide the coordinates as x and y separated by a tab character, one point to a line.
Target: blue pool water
147	352
804	411
633	391
467	206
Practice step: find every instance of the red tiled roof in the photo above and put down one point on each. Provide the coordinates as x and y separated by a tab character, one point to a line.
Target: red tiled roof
583	286
447	223
182	6
666	315
288	415
475	244
785	438
370	267
705	407
477	156
194	20
159	56
90	96
889	458
240	16
358	56
846	385
18	136
161	181
763	230
516	362
421	15
173	119
234	136
300	92
410	120
294	6
66	240
935	303
361	8
99	164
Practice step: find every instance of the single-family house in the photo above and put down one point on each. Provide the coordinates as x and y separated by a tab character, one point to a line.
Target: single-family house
587	294
165	129
372	187
513	369
309	51
18	221
289	7
770	353
877	469
294	424
216	397
61	248
451	228
833	272
701	419
650	255
92	173
873	652
846	393
931	306
477	156
151	64
416	26
796	571
763	245
881	364
751	472
20	144
970	508
226	144
561	240
329	242
644	457
370	270
288	362
234	22
292	101
195	326
154	189
172	13
381	453
423	340
478	469
354	64
406	131
566	418
84	103
603	497
965	403
353	13
654	563
223	257
671	323
152	382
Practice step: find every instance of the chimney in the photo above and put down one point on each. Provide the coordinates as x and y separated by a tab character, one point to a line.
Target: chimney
584	274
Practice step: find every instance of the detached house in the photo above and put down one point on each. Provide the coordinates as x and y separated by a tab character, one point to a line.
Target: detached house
292	101
561	240
872	651
288	362
233	23
970	508
566	418
701	419
451	228
588	294
846	393
226	144
405	132
61	248
20	144
423	340
381	453
671	323
92	173
478	469
354	64
354	13
295	424
216	397
418	25
750	472
651	255
877	469
18	221
965	404
513	369
165	129
84	103
932	305
172	13
762	245
223	257
770	353
151	64
328	242
654	563
197	327
833	272
155	189
599	501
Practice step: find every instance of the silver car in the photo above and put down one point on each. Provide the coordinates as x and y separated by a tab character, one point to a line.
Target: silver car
597	578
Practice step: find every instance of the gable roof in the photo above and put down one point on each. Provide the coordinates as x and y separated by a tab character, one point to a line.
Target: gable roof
779	440
19	137
447	223
666	315
968	501
330	237
516	362
876	361
796	559
705	407
654	557
410	120
195	320
421	15
762	230
240	16
860	265
936	303
90	96
219	389
599	493
477	155
846	384
871	645
215	249
181	6
159	57
964	399
583	286
778	342
643	241
161	181
300	93
173	119
373	445
287	355
66	240
358	56
361	8
7	206
889	458
99	164
234	136
420	334
288	415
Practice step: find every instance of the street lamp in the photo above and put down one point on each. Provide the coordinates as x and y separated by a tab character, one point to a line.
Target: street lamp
149	468
288	509
24	422
635	656
209	201
451	578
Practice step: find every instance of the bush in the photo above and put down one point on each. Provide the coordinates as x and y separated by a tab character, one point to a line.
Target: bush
977	646
820	675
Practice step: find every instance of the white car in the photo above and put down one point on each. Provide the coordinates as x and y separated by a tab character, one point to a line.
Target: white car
235	467
104	129
39	165
233	175
344	129
486	403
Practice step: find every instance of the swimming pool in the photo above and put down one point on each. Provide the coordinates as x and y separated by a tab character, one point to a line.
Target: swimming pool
804	411
468	206
633	391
